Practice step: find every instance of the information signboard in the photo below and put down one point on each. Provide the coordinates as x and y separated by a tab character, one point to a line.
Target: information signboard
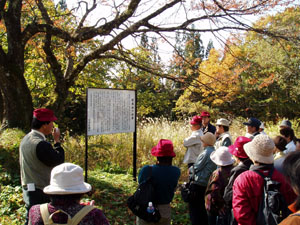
110	111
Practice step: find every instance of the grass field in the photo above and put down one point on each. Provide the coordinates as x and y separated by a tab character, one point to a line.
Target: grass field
111	190
110	167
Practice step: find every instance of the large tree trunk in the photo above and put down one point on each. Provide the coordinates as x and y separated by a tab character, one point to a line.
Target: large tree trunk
1	107
17	100
59	103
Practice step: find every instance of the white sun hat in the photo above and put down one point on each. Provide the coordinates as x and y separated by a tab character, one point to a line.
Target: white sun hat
222	156
260	149
67	178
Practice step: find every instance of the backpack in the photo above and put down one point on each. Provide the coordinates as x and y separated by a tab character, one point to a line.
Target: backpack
272	208
47	218
189	191
138	202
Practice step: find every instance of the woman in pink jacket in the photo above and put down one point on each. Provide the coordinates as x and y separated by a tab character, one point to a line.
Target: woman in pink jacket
248	187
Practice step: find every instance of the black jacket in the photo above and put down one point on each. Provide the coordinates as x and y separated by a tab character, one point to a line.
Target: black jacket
209	128
244	166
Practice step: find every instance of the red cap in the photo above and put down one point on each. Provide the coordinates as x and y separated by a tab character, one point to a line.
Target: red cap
204	113
43	114
196	120
163	148
237	148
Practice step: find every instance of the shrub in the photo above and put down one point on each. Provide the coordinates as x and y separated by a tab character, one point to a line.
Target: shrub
9	147
12	208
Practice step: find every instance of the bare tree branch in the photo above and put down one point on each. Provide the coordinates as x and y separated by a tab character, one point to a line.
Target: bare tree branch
34	28
126	21
52	60
70	61
134	28
106	28
86	33
87	12
190	64
151	70
44	12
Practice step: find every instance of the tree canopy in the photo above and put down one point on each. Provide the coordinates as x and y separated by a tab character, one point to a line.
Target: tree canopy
64	43
255	75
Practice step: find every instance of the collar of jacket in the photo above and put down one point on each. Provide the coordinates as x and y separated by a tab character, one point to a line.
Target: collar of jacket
39	133
223	134
247	163
262	167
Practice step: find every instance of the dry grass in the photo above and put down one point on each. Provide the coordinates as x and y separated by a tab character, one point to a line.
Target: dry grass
115	150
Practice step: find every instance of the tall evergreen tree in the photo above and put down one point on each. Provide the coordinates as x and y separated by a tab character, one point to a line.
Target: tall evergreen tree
210	46
188	55
63	4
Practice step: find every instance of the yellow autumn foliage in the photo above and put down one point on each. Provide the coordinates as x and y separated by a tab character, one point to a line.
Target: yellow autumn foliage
219	75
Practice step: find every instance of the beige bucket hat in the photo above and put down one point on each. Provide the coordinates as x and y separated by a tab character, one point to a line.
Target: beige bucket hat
222	122
260	149
208	138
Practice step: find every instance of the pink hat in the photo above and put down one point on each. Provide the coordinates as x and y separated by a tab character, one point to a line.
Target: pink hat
204	113
163	148
43	114
196	120
237	148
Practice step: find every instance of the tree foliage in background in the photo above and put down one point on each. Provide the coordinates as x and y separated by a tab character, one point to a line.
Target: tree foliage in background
153	94
216	86
64	39
272	81
187	57
256	75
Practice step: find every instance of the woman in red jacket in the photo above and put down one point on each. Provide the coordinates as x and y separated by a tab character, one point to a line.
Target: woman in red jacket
248	186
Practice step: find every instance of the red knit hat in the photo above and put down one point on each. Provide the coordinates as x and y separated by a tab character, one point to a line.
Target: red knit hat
196	120
163	148
237	148
204	113
43	114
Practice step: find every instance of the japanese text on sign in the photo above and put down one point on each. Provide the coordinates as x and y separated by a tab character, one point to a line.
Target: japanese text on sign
110	111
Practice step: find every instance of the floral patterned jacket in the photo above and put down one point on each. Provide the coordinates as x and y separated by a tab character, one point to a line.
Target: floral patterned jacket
214	202
94	217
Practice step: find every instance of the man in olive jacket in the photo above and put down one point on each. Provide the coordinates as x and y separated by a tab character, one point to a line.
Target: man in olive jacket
38	157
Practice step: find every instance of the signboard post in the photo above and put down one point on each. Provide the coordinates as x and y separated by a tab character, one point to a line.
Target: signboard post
110	111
